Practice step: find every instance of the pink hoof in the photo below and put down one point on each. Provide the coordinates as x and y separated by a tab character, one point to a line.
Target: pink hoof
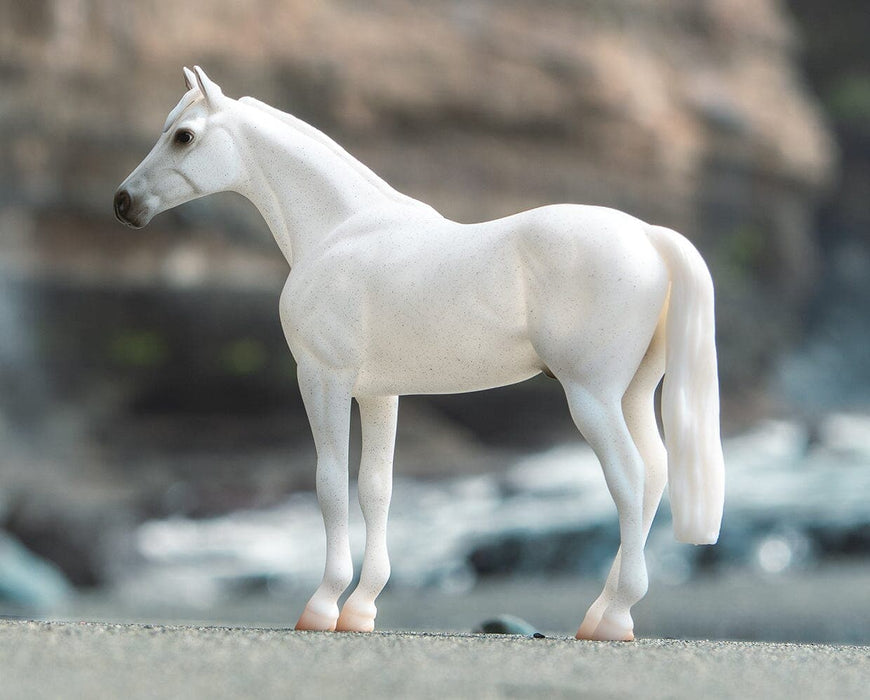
355	621
590	622
606	631
316	622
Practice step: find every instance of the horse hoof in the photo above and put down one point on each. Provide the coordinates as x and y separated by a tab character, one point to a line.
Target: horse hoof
607	631
312	621
353	621
587	627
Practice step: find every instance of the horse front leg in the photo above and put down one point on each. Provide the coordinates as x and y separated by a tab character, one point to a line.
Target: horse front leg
327	397
378	417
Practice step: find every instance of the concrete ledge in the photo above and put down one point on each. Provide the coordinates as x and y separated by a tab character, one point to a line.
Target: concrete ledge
91	660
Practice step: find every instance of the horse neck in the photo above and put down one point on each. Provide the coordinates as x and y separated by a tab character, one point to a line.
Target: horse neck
304	184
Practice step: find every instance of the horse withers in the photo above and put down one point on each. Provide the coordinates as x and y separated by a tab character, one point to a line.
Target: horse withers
387	297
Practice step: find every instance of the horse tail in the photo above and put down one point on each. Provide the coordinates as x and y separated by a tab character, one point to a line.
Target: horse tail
690	393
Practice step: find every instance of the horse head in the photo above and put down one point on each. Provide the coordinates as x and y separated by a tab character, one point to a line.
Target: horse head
196	155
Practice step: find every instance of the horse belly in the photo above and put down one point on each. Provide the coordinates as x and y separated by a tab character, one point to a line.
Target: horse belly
452	340
434	370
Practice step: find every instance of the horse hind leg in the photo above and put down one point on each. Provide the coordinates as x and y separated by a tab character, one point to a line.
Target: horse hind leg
378	416
599	417
638	406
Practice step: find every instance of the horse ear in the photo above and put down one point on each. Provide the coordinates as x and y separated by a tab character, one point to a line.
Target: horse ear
210	90
189	78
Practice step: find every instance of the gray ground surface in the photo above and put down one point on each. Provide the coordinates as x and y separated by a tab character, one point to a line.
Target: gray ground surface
98	660
827	605
237	655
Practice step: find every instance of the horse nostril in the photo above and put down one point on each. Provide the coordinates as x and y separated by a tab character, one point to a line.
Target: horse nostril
122	204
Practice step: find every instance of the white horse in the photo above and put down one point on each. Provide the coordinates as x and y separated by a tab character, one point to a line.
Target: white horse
387	297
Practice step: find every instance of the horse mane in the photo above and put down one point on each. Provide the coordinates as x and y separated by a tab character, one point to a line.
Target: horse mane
316	135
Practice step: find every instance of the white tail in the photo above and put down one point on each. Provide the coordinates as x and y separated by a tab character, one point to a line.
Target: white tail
690	393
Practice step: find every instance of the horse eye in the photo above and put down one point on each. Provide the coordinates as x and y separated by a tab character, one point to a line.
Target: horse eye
183	136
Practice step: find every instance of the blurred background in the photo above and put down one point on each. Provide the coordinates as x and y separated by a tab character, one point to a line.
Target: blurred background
155	460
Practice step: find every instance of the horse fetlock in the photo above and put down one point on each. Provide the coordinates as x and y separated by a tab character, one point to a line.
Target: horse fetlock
337	581
631	588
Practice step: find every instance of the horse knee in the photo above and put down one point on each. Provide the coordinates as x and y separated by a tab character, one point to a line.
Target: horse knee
375	579
331	482
375	489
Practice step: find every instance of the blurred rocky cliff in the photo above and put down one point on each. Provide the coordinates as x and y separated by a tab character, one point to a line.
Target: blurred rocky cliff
692	114
833	366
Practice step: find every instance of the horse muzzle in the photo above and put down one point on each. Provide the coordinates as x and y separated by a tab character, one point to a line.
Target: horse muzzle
124	209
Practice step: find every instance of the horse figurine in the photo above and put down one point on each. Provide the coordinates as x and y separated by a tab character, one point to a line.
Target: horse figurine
387	297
